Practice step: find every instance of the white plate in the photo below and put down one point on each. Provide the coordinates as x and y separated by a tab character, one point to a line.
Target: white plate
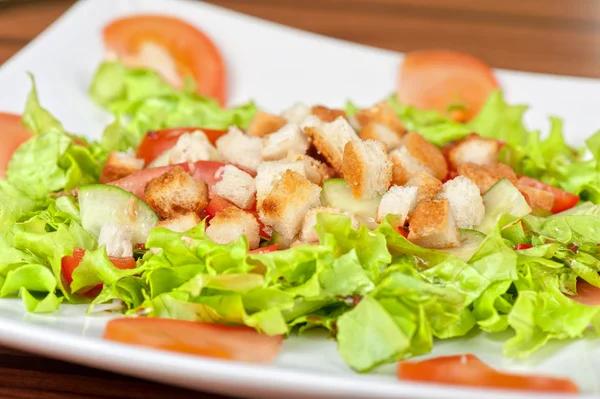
276	66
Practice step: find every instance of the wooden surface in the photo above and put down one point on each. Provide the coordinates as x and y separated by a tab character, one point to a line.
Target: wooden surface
551	36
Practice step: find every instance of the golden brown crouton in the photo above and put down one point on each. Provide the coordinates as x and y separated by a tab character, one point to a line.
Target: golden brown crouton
330	140
232	223
316	171
474	149
366	168
377	131
263	124
181	223
176	193
287	203
536	198
486	176
119	165
427	186
383	114
427	154
327	114
432	225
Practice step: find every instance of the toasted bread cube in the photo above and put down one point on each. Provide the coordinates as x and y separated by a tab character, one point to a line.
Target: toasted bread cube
330	140
382	114
474	149
465	201
308	232
327	114
405	166
485	176
399	202
230	224
119	165
269	173
236	186
181	223
432	225
536	198
176	193
315	171
289	140
310	121
237	148
296	113
427	154
377	131
291	198
264	123
192	147
366	168
428	186
118	240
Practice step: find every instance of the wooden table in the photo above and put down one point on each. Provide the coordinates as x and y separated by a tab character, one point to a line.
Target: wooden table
550	36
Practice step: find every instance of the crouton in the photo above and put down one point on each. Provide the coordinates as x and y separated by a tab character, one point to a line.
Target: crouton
428	186
269	173
236	186
119	165
432	225
326	114
382	114
192	147
377	131
427	154
366	168
181	223
285	206
536	198
264	123
399	202
308	232
404	166
330	140
485	176
230	224
310	121
118	240
239	149
315	171
289	140
175	193
474	149
465	201
296	113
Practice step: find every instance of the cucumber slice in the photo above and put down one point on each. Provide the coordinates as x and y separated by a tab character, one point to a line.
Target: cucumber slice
471	239
337	194
502	199
100	204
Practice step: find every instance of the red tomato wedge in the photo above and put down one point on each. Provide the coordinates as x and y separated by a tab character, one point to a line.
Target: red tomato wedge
402	231
563	200
173	48
12	134
587	294
264	250
437	79
203	339
468	370
155	143
520	247
70	263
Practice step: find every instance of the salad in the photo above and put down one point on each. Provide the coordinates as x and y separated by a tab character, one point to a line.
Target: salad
221	230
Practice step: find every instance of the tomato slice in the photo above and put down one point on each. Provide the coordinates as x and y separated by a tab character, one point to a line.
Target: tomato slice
203	339
587	294
173	48
155	143
438	79
13	134
264	250
468	370
70	263
520	247
563	200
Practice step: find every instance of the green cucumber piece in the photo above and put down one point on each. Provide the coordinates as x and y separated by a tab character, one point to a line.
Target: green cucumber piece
100	204
503	198
337	194
471	240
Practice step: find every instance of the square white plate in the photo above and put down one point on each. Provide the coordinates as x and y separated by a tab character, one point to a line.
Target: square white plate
276	66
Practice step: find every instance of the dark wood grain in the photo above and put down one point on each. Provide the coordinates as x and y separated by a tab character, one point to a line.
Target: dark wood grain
551	36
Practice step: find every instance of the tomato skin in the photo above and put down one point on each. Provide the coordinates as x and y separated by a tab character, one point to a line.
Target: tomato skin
587	294
13	134
520	247
402	231
156	142
563	200
193	52
210	340
264	250
437	79
468	370
70	263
